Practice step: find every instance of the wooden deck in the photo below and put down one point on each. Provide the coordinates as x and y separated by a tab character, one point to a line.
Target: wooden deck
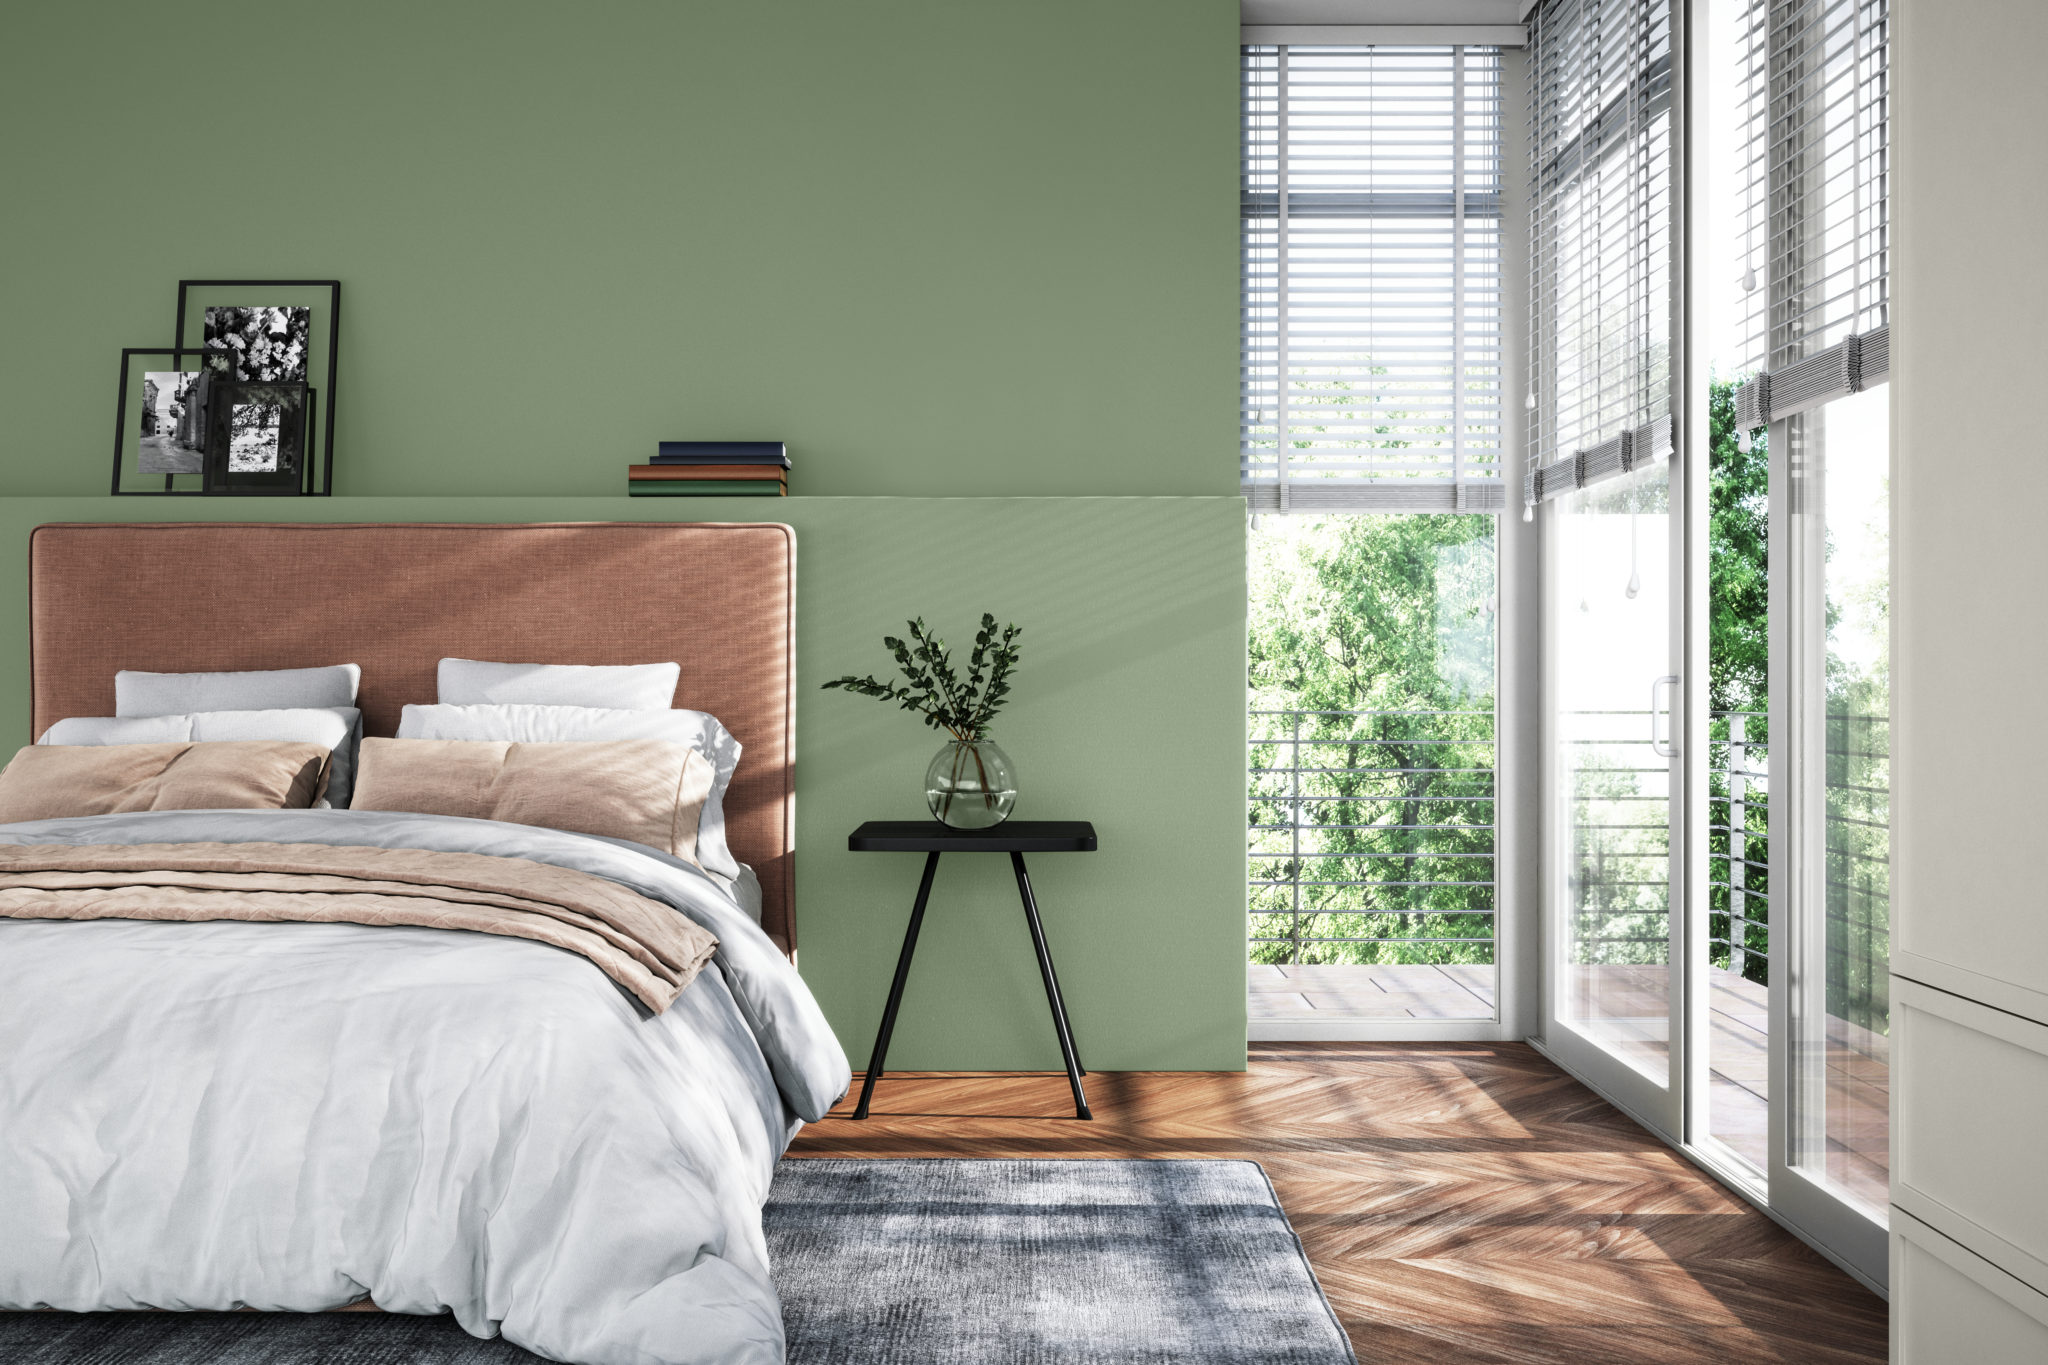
1738	1067
1859	1090
1462	1203
1351	992
1858	1155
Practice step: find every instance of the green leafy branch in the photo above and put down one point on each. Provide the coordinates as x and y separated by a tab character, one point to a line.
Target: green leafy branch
935	690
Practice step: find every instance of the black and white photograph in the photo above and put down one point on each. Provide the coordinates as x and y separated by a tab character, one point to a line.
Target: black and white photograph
252	440
257	438
174	421
270	345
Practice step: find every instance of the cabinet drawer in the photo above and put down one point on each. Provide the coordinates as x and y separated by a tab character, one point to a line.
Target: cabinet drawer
1950	1306
1970	1116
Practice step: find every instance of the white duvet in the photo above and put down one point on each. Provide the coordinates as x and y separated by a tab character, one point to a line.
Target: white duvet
300	1116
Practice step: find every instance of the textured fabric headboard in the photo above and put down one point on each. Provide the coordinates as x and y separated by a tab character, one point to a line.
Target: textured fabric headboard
719	598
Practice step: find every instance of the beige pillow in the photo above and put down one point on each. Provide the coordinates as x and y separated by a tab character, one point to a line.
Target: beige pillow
47	782
651	791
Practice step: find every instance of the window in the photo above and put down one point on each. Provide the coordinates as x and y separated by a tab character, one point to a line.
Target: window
1600	243
1815	171
1371	383
1371	331
1372	789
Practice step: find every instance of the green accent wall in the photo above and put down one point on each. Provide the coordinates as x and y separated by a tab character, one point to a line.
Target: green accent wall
941	247
975	262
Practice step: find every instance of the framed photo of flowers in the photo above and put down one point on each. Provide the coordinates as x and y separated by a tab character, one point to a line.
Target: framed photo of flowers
278	332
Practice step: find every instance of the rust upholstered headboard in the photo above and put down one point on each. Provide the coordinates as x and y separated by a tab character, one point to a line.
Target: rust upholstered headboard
185	597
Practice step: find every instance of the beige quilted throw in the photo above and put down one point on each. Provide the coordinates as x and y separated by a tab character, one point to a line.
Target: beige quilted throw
647	947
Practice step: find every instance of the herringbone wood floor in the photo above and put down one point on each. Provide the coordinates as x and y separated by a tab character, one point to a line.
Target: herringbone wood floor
1463	1203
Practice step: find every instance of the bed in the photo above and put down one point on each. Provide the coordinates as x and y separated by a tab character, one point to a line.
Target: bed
314	1116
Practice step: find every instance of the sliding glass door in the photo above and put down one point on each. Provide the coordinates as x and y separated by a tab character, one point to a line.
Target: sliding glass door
1606	163
1717	792
1796	939
1831	700
1612	621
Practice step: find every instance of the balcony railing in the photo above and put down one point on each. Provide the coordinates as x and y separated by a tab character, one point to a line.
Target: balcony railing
1857	884
1372	841
1617	872
1372	836
1738	844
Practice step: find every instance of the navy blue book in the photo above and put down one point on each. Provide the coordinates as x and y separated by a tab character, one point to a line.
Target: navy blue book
723	452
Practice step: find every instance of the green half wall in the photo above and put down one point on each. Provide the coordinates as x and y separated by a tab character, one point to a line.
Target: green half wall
1128	711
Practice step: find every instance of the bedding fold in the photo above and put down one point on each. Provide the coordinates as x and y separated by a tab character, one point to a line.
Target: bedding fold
645	946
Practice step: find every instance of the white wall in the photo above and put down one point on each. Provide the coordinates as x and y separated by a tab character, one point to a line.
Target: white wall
1970	638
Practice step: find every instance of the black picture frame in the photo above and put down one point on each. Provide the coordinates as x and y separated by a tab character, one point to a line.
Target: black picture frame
294	403
169	489
323	485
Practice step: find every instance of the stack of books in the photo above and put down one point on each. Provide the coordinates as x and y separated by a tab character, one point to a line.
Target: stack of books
695	469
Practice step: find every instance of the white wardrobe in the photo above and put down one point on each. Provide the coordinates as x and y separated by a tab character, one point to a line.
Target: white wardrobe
1969	1216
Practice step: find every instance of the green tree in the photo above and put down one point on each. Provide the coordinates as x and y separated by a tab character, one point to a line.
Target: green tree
1738	524
1738	657
1371	648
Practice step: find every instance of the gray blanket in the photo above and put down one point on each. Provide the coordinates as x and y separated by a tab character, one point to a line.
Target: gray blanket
299	1116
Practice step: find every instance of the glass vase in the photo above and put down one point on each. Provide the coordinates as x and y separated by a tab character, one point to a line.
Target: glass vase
971	784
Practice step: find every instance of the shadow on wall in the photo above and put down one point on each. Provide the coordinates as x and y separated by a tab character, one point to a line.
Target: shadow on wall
1101	586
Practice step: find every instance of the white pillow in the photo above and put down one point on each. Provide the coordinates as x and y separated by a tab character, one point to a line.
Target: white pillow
623	687
337	727
523	723
114	730
182	694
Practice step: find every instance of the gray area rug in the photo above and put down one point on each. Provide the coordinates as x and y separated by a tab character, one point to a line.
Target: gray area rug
938	1262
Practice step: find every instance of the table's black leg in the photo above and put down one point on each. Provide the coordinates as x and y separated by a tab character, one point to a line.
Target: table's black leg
1052	986
924	891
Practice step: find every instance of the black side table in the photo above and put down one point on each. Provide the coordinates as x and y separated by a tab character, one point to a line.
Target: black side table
1014	837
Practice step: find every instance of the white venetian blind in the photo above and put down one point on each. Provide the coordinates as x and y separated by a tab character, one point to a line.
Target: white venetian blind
1600	241
1815	223
1371	328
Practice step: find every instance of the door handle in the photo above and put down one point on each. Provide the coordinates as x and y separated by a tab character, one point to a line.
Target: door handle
1665	746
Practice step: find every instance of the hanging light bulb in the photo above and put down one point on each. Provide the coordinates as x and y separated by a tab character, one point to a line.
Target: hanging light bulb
1528	512
1529	400
1748	279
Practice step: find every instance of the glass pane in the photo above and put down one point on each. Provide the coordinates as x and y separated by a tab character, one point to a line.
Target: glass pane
1841	462
1738	799
1371	815
1611	600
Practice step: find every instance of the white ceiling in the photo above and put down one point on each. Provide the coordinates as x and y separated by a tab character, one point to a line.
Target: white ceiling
1381	11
